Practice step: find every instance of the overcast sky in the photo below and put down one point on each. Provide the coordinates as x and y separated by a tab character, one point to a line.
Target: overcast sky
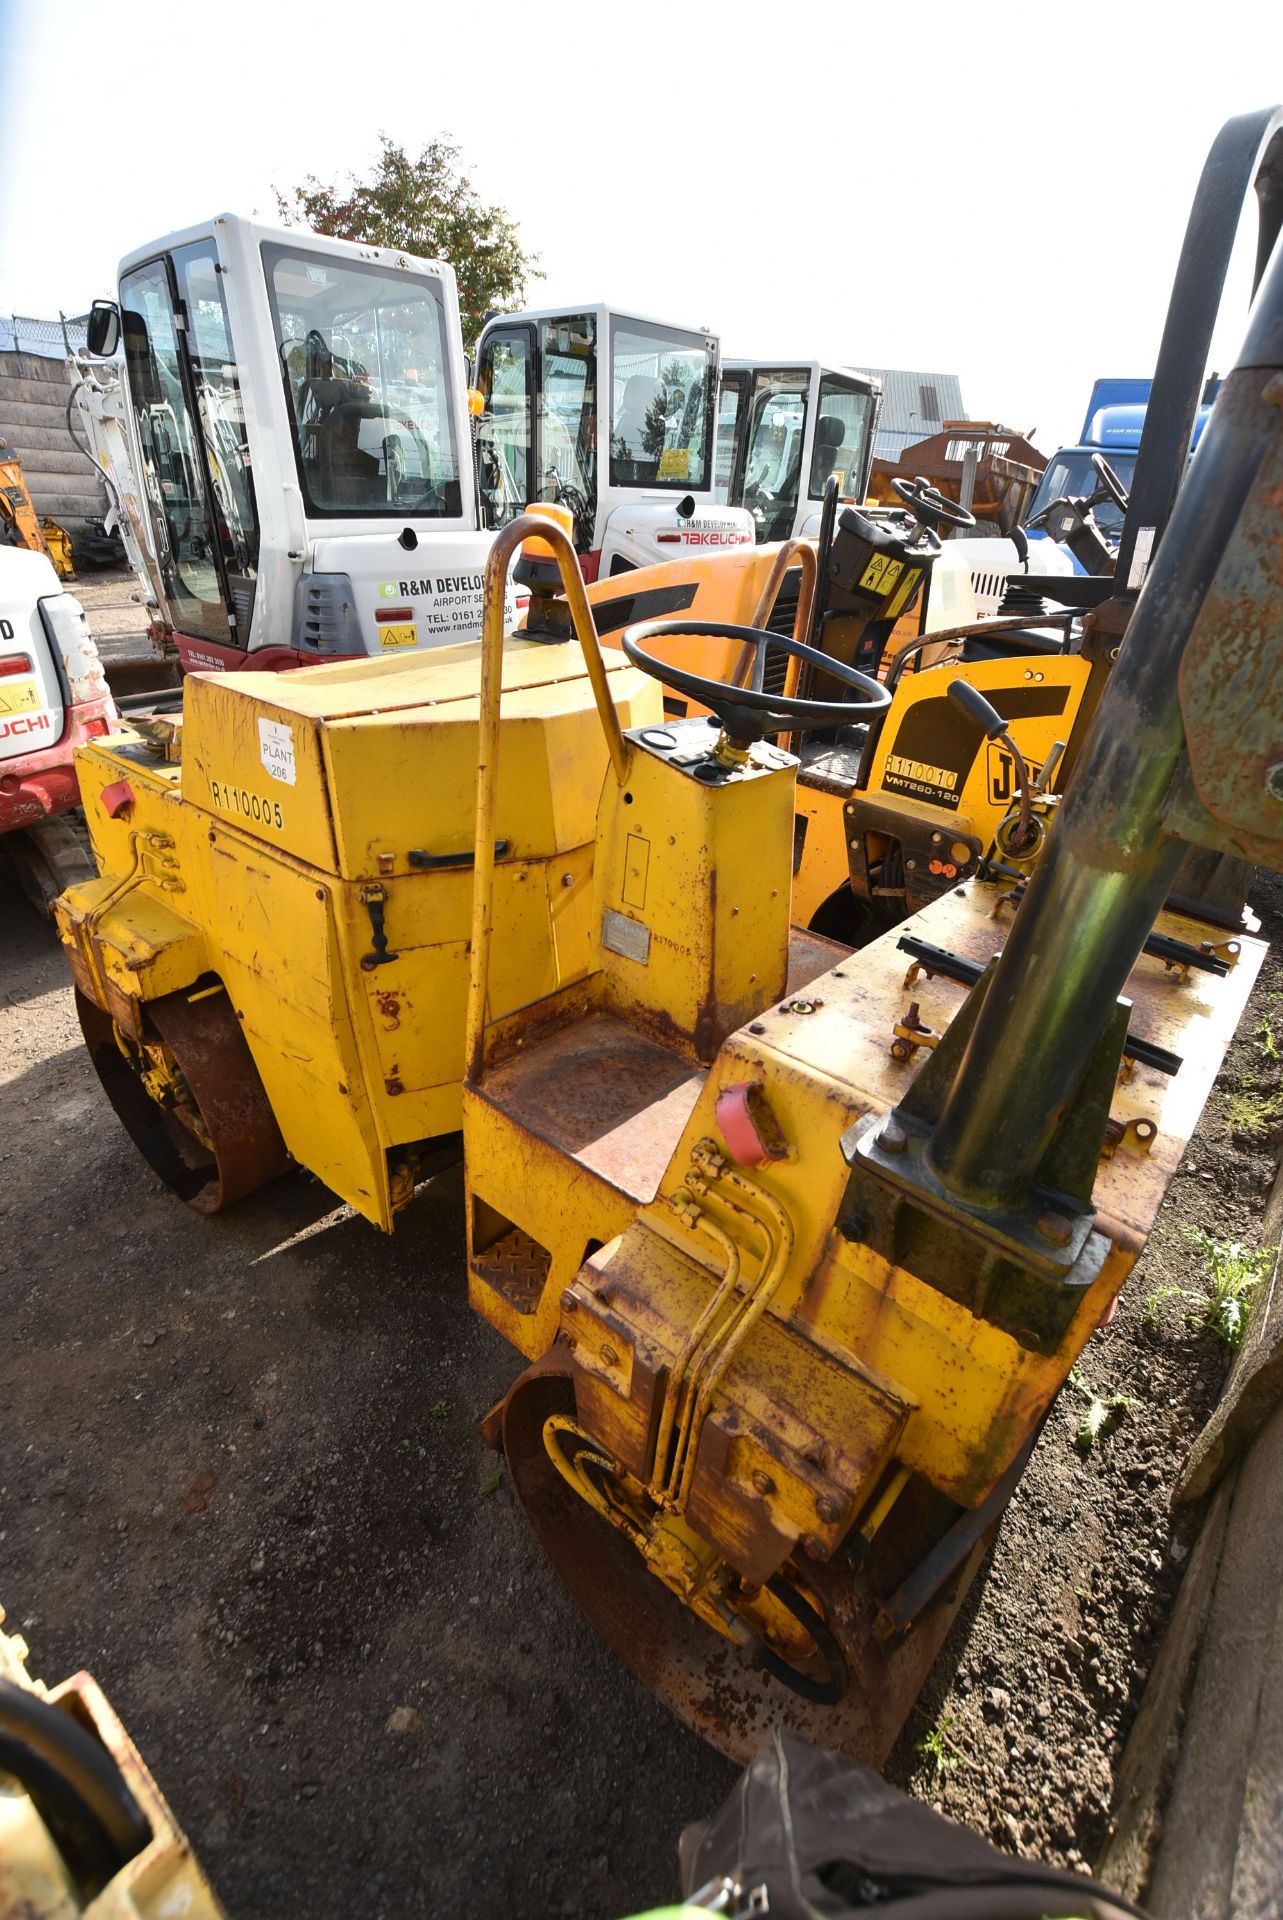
998	191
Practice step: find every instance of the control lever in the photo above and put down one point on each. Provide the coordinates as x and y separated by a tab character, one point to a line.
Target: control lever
1050	767
991	723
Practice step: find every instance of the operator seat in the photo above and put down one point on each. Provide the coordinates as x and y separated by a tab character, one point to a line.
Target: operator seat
641	390
830	433
350	475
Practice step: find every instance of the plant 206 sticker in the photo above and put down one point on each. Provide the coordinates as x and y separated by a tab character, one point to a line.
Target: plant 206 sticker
276	750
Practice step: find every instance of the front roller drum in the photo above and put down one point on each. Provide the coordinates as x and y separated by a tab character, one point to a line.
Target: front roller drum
724	1692
213	1138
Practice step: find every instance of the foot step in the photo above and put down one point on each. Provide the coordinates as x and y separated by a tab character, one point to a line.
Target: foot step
516	1267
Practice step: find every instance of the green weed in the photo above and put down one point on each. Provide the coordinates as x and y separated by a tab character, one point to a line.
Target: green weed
1269	1045
1153	1301
937	1747
1251	1114
1223	1305
1235	1273
1103	1412
493	1484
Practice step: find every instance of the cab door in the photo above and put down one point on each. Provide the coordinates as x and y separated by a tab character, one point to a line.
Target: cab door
505	437
190	425
732	407
770	476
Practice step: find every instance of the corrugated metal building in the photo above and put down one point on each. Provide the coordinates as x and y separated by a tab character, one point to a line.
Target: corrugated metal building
34	389
914	406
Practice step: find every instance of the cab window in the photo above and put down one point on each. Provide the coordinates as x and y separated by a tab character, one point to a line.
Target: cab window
1070	475
661	413
504	436
568	437
841	439
366	372
776	434
729	407
217	388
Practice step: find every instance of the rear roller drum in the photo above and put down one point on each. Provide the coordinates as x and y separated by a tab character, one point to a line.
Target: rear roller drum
848	1690
189	1097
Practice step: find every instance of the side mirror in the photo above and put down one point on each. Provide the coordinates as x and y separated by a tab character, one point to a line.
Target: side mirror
103	330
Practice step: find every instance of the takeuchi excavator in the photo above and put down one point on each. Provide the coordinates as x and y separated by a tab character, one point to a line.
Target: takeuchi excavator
798	1246
612	417
791	432
783	431
284	420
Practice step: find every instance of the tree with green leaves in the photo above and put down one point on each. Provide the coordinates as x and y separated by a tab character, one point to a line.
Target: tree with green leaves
426	206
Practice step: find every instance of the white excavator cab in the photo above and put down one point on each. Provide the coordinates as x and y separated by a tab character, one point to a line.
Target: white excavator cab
782	429
300	442
611	416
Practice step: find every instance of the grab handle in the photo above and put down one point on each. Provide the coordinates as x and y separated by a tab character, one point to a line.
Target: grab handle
529	526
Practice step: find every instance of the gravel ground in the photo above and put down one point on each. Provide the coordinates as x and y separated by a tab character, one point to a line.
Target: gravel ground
117	618
240	1480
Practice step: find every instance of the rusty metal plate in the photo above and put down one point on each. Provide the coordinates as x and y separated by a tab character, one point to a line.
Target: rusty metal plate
848	1038
605	1094
810	955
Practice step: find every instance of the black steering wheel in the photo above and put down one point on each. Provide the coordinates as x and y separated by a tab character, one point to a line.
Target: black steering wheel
930	506
1111	483
746	713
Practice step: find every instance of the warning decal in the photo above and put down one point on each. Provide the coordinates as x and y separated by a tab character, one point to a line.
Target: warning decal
881	573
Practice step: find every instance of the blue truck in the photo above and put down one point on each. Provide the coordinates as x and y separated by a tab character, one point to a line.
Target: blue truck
1112	426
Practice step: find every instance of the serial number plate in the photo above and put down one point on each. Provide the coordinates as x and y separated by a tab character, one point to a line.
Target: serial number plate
404	635
18	696
250	806
626	936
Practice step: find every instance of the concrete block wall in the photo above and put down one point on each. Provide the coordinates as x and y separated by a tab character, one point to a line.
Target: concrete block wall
33	419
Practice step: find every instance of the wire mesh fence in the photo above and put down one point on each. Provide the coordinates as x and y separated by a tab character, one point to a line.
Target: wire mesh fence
50	339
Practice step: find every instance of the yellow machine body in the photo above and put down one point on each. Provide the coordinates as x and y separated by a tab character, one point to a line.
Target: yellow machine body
25	527
935	791
730	1378
303	849
309	857
58	546
161	1882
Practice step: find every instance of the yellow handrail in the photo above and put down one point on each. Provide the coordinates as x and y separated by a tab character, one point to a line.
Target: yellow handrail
801	553
529	526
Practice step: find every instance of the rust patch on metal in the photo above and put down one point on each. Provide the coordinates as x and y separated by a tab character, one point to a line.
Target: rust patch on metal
810	955
604	1094
244	1149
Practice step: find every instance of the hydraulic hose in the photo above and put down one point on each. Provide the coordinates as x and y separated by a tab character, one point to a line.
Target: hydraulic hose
69	1773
